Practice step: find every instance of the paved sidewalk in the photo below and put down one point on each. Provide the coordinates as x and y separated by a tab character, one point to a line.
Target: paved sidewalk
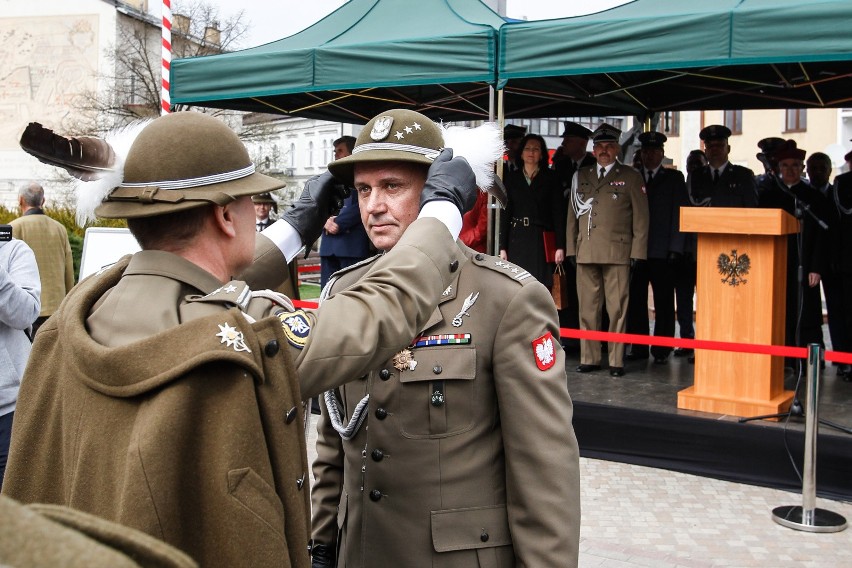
639	516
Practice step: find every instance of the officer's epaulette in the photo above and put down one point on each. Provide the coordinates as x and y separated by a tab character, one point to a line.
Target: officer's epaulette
235	293
507	269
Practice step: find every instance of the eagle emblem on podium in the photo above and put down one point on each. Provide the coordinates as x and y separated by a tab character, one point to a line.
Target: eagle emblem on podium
733	268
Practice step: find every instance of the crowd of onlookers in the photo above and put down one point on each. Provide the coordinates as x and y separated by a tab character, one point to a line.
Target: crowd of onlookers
560	196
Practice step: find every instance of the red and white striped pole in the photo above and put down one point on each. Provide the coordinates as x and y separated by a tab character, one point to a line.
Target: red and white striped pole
165	100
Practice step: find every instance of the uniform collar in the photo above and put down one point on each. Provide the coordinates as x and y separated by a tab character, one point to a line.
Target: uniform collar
161	263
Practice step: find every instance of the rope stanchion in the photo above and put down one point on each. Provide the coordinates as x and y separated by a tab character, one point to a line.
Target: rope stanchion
808	517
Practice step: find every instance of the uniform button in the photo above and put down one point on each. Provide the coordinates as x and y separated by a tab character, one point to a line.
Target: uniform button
377	455
484	536
454	265
479	257
291	415
437	369
594	226
271	348
381	413
384	374
300	482
375	495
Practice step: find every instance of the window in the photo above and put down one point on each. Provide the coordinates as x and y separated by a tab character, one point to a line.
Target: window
670	124
797	120
310	154
292	155
734	121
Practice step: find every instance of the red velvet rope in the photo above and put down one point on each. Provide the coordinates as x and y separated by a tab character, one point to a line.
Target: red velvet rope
776	350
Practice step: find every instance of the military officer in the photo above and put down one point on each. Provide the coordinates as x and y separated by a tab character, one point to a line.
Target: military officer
459	450
607	232
166	397
666	191
512	136
840	255
721	183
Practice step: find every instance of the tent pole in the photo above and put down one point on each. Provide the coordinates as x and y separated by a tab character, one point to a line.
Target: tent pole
493	244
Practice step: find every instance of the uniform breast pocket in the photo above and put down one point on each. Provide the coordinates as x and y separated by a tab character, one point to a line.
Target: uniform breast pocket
435	398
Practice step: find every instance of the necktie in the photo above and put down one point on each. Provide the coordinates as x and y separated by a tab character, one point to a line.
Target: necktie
650	177
715	176
261	226
602	174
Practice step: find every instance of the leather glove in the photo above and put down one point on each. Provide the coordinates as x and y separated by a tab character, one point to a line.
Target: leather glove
450	179
573	260
322	556
322	197
674	257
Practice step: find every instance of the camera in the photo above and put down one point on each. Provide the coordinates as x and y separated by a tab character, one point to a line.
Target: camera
5	233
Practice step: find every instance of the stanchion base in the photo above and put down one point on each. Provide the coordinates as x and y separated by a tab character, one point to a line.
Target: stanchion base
822	521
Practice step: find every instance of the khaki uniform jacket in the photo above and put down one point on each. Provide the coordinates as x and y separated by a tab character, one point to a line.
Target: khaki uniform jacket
152	405
49	241
469	458
615	229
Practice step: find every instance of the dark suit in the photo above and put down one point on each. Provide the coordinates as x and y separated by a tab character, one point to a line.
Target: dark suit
350	245
666	195
814	258
838	277
736	187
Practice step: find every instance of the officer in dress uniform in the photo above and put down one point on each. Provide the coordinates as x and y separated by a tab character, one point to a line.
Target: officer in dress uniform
840	255
607	232
666	190
721	183
512	136
167	398
459	450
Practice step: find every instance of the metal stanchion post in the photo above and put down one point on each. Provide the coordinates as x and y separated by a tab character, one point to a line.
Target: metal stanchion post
808	517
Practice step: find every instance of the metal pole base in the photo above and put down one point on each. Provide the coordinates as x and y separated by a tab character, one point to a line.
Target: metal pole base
815	520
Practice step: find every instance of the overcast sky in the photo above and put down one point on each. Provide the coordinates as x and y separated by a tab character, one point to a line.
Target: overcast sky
271	20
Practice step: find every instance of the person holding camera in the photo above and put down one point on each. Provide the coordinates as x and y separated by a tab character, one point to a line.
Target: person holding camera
20	293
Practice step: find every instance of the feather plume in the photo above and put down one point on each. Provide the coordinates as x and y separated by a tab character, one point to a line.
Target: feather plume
84	157
481	147
90	194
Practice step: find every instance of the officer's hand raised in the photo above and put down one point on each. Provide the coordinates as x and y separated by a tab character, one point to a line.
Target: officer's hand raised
322	197
450	179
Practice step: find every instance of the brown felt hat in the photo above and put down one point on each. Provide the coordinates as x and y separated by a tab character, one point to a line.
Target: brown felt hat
180	161
398	135
789	150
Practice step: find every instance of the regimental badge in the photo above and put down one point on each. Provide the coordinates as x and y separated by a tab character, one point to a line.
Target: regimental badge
544	351
614	196
733	268
381	128
448	291
232	337
468	303
296	326
404	360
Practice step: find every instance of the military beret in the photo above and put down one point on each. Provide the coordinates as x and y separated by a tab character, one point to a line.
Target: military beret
577	130
606	133
652	139
512	131
789	151
769	145
715	132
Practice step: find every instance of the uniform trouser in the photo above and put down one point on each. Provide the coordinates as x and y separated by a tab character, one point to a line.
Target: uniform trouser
685	294
837	303
611	282
637	312
569	316
662	276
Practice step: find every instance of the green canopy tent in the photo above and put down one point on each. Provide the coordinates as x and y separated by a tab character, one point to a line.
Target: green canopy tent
656	55
436	56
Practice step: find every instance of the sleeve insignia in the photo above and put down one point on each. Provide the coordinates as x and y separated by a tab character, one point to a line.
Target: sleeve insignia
544	352
297	327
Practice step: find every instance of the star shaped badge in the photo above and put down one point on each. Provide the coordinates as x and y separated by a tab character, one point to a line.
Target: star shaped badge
232	337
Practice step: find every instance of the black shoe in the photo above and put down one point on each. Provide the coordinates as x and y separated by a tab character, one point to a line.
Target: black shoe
616	371
692	359
844	370
682	351
661	360
635	356
587	368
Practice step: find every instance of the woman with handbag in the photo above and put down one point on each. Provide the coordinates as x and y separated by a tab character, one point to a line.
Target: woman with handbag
532	230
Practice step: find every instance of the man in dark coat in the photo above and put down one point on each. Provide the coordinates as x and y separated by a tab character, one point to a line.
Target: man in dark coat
721	183
666	190
807	249
840	255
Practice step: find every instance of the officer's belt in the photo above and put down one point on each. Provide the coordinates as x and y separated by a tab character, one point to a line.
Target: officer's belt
526	222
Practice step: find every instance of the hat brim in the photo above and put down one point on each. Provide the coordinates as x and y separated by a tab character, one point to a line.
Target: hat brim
344	168
194	197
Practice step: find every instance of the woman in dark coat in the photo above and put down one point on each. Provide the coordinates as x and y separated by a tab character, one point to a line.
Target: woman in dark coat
535	205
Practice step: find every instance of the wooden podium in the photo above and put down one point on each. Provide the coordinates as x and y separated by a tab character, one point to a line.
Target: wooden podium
741	288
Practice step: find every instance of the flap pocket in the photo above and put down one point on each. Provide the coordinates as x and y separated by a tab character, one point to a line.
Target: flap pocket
442	364
256	495
475	527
